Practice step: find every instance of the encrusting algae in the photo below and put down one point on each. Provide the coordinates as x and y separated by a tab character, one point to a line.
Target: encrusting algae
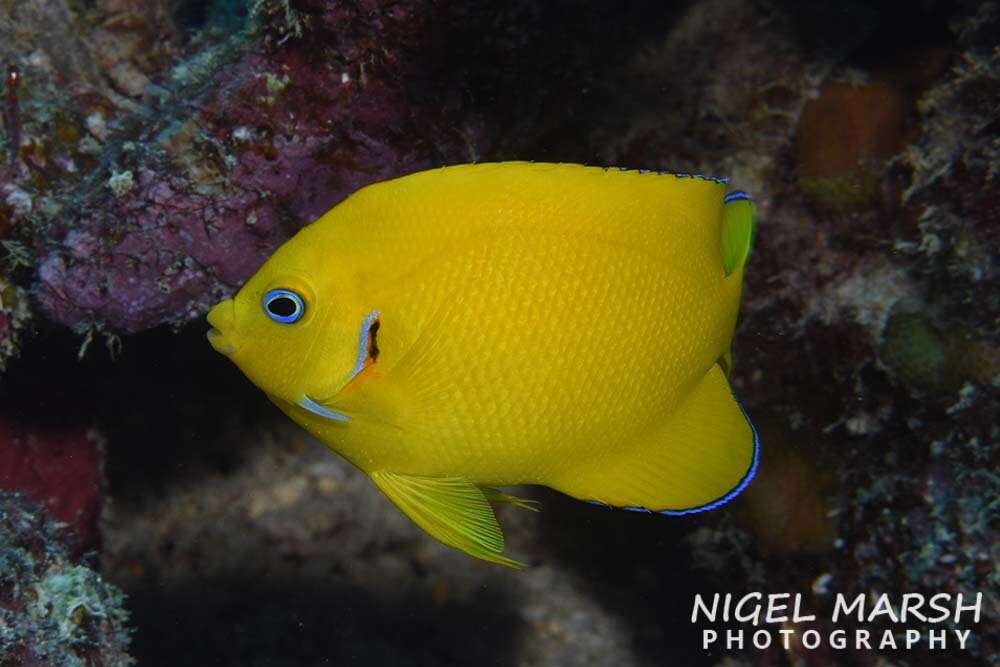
14	314
54	612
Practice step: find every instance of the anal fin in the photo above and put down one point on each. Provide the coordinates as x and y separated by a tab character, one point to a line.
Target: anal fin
453	510
702	456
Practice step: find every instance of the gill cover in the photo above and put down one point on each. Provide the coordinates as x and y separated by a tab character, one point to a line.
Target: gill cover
296	328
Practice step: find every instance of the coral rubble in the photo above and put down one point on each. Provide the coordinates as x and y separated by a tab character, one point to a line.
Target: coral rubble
53	612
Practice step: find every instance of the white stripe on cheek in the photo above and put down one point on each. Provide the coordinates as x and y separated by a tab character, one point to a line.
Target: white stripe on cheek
312	406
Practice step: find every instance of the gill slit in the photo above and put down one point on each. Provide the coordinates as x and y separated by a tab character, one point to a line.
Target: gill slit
366	345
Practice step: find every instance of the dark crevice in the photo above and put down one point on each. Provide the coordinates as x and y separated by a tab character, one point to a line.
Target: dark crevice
194	15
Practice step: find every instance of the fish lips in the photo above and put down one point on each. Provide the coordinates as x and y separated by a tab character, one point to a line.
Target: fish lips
221	343
222	319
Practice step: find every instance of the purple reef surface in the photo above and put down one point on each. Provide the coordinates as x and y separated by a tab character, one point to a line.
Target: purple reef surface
67	72
58	466
241	145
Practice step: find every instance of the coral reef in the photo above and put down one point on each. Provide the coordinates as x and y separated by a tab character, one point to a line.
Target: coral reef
788	508
68	71
923	355
953	185
846	136
14	315
888	310
139	185
246	142
53	612
59	467
934	513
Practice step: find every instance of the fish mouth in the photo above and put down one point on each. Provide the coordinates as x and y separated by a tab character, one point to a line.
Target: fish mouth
221	318
221	343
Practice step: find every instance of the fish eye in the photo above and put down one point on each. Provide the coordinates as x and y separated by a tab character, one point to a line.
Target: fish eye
284	306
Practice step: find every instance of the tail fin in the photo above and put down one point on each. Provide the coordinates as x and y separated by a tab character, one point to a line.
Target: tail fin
739	228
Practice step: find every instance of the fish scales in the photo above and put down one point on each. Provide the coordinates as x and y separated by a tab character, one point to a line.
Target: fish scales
552	353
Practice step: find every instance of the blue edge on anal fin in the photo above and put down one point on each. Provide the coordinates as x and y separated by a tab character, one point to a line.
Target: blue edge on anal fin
719	502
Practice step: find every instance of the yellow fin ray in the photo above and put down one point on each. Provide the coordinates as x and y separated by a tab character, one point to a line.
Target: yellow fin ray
404	394
498	496
409	391
701	457
453	510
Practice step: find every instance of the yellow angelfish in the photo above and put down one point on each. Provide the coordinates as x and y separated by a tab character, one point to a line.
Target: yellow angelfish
477	326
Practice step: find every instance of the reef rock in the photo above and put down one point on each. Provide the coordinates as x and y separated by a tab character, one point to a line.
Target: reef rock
54	612
242	144
870	332
59	467
13	317
846	136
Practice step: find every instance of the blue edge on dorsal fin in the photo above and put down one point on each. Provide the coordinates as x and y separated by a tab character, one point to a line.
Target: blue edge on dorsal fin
722	180
719	502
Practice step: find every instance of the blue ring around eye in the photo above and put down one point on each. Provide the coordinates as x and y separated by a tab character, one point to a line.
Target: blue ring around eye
294	316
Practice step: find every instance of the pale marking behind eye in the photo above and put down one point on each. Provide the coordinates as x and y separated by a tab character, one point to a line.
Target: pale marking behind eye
312	406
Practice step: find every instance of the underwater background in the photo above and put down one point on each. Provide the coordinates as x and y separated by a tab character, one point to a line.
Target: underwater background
155	506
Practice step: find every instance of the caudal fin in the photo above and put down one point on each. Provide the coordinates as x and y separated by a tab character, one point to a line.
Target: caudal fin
739	228
702	456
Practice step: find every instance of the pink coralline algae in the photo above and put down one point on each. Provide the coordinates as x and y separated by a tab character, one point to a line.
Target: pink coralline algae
192	201
60	468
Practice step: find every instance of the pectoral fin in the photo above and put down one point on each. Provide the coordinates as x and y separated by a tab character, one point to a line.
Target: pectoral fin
453	510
